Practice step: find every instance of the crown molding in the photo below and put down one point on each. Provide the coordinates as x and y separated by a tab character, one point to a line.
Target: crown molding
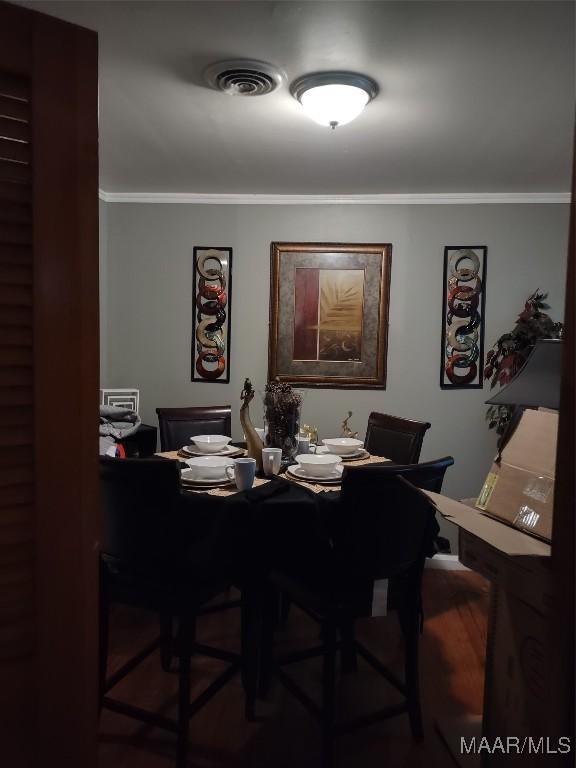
485	198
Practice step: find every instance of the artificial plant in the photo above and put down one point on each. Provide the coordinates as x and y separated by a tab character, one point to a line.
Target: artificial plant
511	351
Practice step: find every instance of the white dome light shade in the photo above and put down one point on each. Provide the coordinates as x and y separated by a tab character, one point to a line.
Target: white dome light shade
334	98
334	104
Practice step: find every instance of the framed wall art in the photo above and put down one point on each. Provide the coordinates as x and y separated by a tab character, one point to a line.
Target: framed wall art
122	398
211	291
463	317
329	314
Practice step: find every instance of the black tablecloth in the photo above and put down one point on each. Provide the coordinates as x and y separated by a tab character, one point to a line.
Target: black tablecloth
282	526
279	525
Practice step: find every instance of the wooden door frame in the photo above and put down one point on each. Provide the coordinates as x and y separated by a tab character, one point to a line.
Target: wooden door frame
562	671
53	688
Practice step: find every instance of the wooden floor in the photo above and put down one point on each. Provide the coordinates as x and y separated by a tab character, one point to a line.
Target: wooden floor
452	668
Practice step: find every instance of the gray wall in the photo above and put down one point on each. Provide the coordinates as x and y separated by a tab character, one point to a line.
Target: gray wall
103	238
146	301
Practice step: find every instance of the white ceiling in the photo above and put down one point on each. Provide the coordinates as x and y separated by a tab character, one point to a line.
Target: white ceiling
474	96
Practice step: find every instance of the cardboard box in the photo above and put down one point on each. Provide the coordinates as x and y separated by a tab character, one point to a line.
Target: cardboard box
518	648
509	558
525	577
488	530
516	694
519	490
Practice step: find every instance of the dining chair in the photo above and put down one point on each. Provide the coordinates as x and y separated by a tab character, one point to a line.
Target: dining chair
382	528
428	475
177	425
163	551
398	439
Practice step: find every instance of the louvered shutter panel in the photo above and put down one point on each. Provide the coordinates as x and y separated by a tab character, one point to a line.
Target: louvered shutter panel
49	512
16	371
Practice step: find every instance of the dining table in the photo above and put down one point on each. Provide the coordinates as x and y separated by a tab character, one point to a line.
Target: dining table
282	519
281	522
262	480
284	524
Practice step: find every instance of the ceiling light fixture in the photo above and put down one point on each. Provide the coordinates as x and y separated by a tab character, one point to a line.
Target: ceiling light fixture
333	98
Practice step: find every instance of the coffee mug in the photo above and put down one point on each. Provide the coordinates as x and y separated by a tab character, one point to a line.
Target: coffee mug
305	446
243	473
271	460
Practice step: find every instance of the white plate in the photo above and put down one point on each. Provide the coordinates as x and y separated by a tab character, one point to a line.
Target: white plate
296	471
229	450
361	453
185	474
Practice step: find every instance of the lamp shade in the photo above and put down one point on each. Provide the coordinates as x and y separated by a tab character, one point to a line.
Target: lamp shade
537	383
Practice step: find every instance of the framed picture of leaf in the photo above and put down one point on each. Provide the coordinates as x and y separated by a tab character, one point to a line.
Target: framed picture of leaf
329	314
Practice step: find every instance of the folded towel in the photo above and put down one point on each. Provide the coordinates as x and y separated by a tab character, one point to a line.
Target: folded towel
116	423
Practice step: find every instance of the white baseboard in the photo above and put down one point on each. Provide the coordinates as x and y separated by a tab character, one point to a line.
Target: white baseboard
446	562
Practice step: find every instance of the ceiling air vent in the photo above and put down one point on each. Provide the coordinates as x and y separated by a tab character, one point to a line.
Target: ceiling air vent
243	77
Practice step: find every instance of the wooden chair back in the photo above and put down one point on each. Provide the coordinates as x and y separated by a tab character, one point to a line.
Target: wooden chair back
177	425
387	524
398	439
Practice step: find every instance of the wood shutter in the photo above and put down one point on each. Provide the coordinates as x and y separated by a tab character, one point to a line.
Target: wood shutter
17	629
48	390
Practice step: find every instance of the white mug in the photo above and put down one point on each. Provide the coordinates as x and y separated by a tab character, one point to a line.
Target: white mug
243	473
305	446
271	460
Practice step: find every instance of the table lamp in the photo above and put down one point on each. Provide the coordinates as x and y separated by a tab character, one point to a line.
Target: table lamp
537	383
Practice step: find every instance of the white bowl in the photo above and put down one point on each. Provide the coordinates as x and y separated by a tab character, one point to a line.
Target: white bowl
209	467
210	443
319	466
342	445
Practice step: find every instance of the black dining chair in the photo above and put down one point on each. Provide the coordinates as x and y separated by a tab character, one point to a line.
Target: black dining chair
177	425
382	528
395	438
163	551
428	475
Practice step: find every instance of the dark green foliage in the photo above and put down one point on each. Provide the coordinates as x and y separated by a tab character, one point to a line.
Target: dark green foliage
511	351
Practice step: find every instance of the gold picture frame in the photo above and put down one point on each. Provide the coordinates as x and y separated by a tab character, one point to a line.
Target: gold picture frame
329	314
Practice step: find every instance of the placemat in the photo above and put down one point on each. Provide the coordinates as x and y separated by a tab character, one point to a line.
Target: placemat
321	488
228	490
316	487
182	454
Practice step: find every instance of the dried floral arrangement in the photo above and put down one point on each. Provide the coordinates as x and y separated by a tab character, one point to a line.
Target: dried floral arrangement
346	431
511	351
282	416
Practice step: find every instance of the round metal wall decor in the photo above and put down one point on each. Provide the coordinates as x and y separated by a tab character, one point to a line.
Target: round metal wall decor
463	317
212	273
